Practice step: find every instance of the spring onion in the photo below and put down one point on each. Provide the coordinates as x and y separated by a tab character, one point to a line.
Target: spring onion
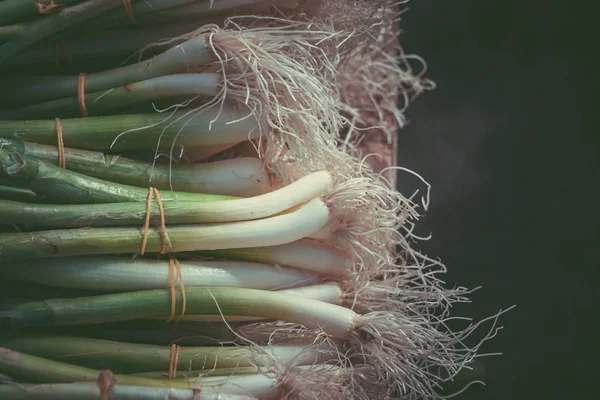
140	132
271	231
53	182
116	274
244	176
126	358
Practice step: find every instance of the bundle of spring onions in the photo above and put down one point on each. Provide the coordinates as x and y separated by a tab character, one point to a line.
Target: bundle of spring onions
187	209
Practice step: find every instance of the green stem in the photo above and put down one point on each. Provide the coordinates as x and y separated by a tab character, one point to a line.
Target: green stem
199	301
17	194
271	231
37	369
187	10
8	32
56	183
120	98
188	55
156	332
242	177
104	44
60	21
144	132
14	10
126	358
42	216
186	374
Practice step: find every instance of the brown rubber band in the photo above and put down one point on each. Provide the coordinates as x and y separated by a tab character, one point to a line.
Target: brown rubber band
173	360
172	289
147	221
106	382
181	289
129	10
174	264
61	144
81	94
163	228
166	244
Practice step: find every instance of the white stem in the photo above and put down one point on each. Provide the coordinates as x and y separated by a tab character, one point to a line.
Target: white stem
268	385
123	274
199	153
206	84
92	391
271	231
312	256
298	192
243	177
329	292
323	234
305	254
261	386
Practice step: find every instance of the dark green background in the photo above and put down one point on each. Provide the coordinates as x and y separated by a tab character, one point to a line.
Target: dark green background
508	144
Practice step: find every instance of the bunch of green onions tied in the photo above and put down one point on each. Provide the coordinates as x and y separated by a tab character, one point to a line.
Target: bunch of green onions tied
187	209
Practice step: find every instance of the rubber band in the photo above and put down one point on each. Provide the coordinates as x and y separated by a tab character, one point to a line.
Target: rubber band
163	228
173	360
61	144
172	289
81	94
181	289
173	265
106	381
166	243
147	221
129	10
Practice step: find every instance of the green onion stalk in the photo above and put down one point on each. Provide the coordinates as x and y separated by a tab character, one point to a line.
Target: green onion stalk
387	341
266	385
109	48
270	231
53	182
200	372
315	257
173	212
92	391
146	12
129	358
150	331
187	56
243	177
119	274
269	72
35	369
140	132
17	10
14	291
106	102
17	194
43	27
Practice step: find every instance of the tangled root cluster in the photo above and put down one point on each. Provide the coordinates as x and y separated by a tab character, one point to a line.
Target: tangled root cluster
317	85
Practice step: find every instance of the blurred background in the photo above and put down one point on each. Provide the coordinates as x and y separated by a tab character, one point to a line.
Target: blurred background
507	142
